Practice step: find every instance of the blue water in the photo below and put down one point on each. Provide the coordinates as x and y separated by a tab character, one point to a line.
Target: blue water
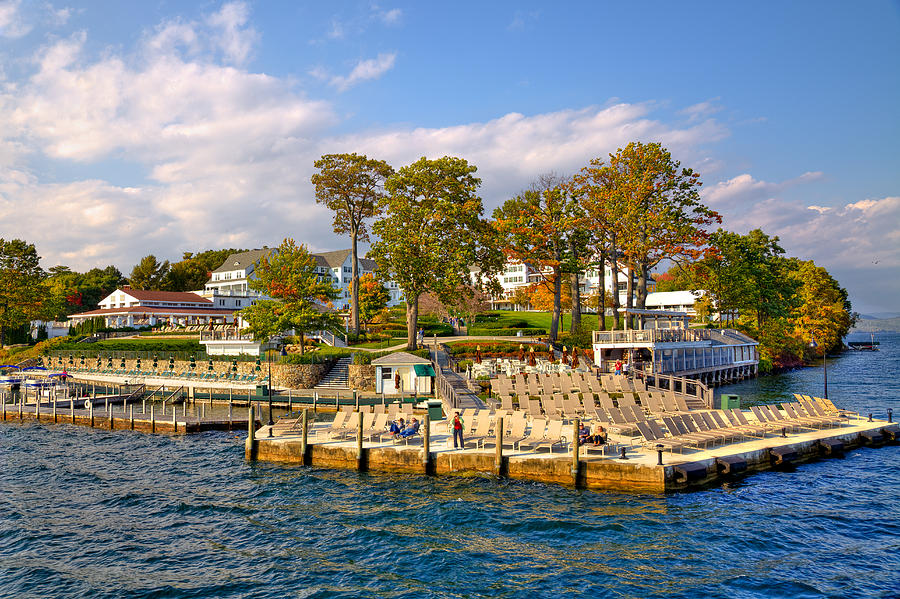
89	513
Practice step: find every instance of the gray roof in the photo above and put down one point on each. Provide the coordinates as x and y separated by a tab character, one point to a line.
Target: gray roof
337	258
242	260
400	358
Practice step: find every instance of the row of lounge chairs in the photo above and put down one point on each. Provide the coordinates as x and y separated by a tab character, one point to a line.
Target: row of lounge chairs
197	375
722	426
542	383
573	405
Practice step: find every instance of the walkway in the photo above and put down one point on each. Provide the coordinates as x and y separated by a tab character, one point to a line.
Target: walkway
465	398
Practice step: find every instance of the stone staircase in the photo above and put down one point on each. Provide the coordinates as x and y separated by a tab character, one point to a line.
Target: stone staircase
338	377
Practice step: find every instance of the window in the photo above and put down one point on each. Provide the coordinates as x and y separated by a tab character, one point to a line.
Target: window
347	269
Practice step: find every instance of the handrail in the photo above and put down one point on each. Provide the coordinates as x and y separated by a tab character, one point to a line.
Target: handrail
179	391
668	382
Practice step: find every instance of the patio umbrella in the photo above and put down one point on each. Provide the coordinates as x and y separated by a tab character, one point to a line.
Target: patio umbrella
234	366
109	362
210	367
138	366
563	357
193	363
521	352
122	365
258	365
71	360
99	360
82	359
574	358
531	360
155	362
478	354
171	362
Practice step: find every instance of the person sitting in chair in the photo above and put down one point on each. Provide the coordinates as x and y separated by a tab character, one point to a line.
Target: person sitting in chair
599	435
410	430
396	427
584	434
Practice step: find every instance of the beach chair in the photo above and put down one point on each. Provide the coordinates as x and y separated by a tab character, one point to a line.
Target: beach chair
534	408
651	439
668	402
814	409
723	422
769	420
481	432
794	414
552	437
738	419
538	428
705	423
378	426
678	429
516	432
338	422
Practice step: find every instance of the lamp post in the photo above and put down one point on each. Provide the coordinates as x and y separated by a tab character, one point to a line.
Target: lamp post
814	345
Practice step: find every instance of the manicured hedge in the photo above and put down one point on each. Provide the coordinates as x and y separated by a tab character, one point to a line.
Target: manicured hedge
148	345
365	357
505	332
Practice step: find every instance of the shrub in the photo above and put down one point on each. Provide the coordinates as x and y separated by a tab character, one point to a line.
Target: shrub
506	332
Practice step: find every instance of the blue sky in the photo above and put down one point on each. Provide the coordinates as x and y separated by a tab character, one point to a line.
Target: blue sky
172	126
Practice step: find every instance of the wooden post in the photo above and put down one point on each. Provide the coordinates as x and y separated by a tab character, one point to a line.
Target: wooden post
72	408
304	439
498	458
576	431
174	420
152	418
131	416
230	418
290	400
251	431
315	402
426	443
37	405
91	413
359	440
337	401
110	415
54	410
356	400
184	404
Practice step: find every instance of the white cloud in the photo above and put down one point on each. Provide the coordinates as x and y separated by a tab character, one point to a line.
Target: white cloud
392	16
701	110
365	70
12	24
235	39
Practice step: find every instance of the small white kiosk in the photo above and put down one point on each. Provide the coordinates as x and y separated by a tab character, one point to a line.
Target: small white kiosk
402	372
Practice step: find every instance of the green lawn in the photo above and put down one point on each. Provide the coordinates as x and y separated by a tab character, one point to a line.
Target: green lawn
539	320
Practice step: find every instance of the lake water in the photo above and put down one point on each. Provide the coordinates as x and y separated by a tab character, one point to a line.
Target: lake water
89	513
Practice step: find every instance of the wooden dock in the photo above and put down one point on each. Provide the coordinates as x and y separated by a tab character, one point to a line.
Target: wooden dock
148	417
628	467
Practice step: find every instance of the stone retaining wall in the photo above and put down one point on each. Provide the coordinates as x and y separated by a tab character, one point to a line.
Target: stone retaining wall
362	377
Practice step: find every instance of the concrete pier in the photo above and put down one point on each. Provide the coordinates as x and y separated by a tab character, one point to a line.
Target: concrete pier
639	472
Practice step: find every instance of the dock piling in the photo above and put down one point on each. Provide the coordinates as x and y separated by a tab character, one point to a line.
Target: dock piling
659	450
152	419
426	444
251	433
230	412
304	438
110	414
890	413
359	440
174	420
315	402
576	444
91	413
54	410
131	416
72	408
498	457
356	400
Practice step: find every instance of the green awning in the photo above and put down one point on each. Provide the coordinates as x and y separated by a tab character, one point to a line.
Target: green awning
423	369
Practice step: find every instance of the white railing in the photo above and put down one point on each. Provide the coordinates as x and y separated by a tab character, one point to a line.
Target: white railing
226	335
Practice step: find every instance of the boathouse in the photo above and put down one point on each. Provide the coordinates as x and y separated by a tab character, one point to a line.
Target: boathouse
665	344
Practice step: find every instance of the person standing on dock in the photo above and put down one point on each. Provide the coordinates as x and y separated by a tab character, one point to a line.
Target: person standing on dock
618	367
458	431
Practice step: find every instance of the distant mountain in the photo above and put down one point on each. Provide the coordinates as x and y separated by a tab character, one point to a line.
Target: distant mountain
874	325
879	315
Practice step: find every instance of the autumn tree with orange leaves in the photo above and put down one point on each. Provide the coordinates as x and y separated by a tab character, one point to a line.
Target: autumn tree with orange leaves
535	228
301	298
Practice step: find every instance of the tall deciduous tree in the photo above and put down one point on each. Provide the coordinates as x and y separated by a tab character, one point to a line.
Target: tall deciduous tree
352	187
433	233
535	227
21	285
301	301
149	273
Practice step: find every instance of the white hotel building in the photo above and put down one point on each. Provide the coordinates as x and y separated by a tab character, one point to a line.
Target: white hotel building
519	274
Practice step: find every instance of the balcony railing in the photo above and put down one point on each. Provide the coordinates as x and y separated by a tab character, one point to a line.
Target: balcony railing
652	336
225	335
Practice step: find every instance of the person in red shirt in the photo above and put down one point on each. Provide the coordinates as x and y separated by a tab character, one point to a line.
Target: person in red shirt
458	431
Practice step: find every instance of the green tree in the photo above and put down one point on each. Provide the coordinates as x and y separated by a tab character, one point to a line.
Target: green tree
823	311
186	275
149	273
351	186
300	300
535	228
21	285
433	233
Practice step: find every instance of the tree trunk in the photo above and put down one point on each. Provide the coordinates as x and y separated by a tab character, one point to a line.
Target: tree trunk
557	292
629	298
614	266
576	302
643	272
302	342
354	294
601	297
412	321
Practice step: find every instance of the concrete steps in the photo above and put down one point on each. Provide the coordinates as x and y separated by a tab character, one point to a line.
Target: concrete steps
338	377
